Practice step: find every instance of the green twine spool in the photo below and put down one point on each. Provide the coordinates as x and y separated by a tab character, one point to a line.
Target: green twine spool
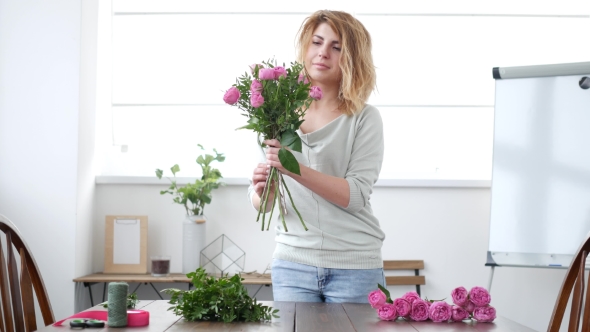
117	304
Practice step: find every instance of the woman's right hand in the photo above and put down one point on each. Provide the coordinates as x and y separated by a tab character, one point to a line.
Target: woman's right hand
259	178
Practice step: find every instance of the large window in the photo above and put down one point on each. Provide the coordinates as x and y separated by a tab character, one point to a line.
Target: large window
164	66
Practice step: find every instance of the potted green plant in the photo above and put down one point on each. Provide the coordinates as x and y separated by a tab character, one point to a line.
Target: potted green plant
194	197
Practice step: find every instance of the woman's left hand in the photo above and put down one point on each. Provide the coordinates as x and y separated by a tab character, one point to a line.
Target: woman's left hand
272	155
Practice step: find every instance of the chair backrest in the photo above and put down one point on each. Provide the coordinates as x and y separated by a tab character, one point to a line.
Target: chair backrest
416	279
574	279
16	292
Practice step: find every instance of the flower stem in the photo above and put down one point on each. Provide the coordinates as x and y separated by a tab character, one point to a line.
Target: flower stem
274	200
291	199
265	192
281	207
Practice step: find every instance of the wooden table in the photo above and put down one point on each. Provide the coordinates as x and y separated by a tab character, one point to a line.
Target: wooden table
304	317
91	279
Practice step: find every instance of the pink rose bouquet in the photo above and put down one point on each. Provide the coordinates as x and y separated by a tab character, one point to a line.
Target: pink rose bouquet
458	313
275	99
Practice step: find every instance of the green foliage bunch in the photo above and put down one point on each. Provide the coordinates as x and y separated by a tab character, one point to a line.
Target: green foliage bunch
194	196
217	299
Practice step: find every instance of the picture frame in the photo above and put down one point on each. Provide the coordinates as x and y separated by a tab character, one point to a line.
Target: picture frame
125	249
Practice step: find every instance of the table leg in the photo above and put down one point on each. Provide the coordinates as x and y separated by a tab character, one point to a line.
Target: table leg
259	288
104	287
161	298
87	284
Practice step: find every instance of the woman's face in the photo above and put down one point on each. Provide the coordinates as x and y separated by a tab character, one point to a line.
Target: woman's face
322	60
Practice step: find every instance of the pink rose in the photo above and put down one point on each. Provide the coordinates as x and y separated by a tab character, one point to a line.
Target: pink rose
302	78
387	312
419	310
266	74
279	71
256	100
484	314
411	297
377	298
232	95
403	307
256	86
458	314
440	311
460	296
479	296
315	92
469	307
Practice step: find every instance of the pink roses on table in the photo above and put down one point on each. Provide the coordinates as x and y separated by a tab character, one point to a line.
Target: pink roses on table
377	299
467	305
479	296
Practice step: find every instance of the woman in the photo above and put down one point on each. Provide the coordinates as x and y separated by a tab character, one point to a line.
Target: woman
339	258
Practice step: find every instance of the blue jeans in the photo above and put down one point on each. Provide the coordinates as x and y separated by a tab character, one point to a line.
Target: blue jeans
304	283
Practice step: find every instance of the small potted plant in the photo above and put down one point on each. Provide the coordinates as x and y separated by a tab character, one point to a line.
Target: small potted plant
194	197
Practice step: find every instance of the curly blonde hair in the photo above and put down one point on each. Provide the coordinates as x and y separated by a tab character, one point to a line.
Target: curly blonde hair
356	61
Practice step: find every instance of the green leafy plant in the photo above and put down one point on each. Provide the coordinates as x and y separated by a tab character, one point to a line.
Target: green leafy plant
132	301
194	196
217	299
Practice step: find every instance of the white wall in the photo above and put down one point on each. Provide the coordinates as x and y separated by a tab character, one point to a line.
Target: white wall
44	187
447	227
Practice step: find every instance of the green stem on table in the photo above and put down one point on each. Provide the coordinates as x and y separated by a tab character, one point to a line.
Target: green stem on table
291	199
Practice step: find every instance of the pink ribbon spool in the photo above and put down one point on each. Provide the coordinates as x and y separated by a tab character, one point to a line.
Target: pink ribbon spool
134	317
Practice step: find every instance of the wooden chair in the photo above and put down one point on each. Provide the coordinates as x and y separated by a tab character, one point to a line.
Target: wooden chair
574	279
416	279
18	306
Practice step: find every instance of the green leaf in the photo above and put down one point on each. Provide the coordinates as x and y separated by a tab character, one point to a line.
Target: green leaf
159	173
386	292
288	137
175	169
289	161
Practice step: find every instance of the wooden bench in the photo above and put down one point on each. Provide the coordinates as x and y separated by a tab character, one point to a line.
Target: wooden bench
416	279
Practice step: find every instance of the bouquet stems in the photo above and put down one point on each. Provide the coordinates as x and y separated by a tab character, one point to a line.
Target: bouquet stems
275	178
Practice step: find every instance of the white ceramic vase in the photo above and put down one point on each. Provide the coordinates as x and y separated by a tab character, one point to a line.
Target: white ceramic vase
193	241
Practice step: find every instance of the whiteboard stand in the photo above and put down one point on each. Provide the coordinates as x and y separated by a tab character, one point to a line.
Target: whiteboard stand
493	265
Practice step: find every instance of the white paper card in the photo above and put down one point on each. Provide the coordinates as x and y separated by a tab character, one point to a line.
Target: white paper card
126	239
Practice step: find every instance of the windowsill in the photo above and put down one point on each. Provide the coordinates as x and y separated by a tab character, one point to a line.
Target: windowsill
419	183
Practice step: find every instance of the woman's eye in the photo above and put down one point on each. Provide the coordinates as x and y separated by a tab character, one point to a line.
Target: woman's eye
337	48
315	42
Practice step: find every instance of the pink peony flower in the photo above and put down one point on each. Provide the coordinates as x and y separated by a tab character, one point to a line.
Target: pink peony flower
484	314
302	78
266	74
279	71
469	307
479	296
256	100
315	92
387	312
460	296
419	310
256	86
411	297
232	95
458	314
440	311
377	298
403	307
